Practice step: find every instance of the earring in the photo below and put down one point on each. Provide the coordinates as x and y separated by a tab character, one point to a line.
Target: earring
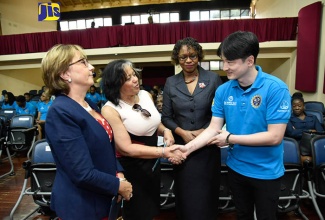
69	80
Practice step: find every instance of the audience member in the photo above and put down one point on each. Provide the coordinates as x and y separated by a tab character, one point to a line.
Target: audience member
186	111
2	97
9	101
27	96
24	107
94	96
42	108
136	124
299	120
256	107
81	140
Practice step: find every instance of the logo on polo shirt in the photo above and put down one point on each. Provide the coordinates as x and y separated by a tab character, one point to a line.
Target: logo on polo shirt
256	101
48	11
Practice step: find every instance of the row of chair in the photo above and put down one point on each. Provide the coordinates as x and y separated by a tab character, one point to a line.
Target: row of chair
40	169
17	134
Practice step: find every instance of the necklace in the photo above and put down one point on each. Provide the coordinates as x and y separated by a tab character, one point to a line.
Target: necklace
192	80
129	102
88	108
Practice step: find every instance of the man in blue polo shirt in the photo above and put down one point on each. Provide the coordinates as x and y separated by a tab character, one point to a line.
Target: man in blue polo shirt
24	107
94	96
256	107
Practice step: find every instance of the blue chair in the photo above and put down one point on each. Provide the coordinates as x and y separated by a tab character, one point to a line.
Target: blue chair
315	105
317	113
22	133
40	169
317	184
9	113
167	196
291	191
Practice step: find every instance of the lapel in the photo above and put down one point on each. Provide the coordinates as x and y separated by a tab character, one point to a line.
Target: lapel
203	82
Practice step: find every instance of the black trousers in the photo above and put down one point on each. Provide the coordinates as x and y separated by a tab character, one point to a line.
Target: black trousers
249	192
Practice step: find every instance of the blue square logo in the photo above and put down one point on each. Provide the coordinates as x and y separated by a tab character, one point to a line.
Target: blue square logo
48	11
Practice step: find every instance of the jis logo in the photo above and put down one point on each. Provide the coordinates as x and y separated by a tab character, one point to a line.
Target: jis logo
48	11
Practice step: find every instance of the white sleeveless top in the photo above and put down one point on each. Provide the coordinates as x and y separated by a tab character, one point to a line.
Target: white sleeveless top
134	121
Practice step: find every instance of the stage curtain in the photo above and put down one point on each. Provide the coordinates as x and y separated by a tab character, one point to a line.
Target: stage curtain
273	29
309	19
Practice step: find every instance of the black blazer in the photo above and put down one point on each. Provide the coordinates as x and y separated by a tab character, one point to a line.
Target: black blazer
185	110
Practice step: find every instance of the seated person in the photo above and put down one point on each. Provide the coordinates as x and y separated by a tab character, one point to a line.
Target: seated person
42	107
24	107
27	96
300	121
94	96
9	101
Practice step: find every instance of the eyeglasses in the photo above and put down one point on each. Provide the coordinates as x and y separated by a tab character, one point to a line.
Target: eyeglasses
138	107
82	60
184	58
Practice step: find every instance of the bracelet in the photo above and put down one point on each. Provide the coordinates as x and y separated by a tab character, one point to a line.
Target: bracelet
157	150
163	152
122	179
227	138
166	129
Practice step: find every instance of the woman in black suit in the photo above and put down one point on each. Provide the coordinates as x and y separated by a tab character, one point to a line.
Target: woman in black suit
187	112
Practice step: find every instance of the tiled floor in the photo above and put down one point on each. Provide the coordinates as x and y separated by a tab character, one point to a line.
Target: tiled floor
10	187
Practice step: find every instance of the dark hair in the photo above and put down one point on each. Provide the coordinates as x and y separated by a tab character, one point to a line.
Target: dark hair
297	96
4	92
190	43
11	98
113	78
21	99
239	45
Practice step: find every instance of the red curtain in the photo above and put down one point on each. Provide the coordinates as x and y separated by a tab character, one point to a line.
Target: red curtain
273	29
309	20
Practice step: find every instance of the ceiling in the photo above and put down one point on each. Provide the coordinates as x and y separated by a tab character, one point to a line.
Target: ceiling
78	5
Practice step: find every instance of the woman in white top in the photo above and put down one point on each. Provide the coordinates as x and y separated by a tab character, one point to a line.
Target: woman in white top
136	124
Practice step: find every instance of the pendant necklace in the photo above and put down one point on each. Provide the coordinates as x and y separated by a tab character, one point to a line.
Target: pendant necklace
192	80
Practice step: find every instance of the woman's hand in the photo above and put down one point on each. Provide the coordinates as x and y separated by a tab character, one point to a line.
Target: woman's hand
168	138
187	136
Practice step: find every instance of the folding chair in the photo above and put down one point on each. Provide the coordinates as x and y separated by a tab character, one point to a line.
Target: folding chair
40	169
9	113
315	105
316	184
225	196
292	182
167	196
22	133
3	144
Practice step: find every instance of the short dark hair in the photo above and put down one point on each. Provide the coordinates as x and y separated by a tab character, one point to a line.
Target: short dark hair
113	78
21	99
239	45
190	43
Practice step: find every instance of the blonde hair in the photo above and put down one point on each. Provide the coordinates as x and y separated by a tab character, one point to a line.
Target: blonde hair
56	62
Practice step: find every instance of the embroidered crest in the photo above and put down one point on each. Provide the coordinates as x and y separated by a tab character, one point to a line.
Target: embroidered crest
256	101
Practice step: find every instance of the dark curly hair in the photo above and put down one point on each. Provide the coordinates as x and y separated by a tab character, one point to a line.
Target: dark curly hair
190	43
113	78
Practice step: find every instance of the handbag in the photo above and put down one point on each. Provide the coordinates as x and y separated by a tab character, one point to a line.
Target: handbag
305	142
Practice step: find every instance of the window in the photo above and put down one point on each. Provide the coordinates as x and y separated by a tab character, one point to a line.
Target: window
206	15
85	23
165	17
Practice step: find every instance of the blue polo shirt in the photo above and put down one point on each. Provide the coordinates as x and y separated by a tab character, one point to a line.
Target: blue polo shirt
266	102
28	109
8	106
43	108
95	98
